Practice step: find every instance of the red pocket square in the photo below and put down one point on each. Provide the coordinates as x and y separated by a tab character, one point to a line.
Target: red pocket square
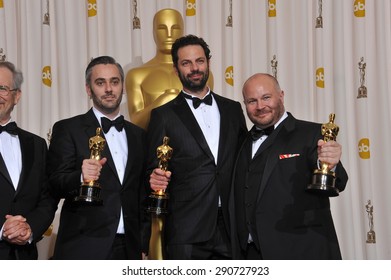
284	156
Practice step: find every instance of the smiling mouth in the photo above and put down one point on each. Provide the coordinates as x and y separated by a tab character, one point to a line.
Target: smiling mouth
262	114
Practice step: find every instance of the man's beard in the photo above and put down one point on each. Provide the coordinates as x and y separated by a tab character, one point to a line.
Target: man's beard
194	86
99	104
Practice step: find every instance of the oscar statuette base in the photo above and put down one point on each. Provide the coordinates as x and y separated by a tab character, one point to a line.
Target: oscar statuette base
323	184
158	203
89	195
158	209
156	242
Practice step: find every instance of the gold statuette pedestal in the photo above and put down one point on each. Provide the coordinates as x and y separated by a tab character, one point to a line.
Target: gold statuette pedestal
89	192
158	206
323	179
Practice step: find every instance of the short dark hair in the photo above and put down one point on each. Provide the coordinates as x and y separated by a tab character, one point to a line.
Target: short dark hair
17	76
102	60
187	41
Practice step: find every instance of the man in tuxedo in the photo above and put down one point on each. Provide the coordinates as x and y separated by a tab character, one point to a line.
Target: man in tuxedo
204	130
112	230
26	208
276	218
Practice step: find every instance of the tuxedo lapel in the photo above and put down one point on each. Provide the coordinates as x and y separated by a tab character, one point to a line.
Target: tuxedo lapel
4	170
224	127
91	124
247	149
266	144
186	116
276	141
131	153
27	151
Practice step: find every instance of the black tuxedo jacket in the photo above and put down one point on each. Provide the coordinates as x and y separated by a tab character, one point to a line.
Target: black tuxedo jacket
31	199
196	182
288	222
87	232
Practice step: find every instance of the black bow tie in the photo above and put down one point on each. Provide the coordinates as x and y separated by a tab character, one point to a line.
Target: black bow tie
11	128
197	101
118	123
257	133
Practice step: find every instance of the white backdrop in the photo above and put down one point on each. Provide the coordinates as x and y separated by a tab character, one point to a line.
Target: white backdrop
317	67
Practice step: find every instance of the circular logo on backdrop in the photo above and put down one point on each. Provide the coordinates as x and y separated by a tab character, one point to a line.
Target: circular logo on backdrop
319	76
190	8
363	148
359	8
47	76
92	8
229	75
272	8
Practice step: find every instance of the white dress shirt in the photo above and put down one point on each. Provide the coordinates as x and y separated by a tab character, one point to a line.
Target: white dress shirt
118	146
208	118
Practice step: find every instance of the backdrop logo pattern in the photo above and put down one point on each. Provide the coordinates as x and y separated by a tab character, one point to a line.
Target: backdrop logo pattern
319	76
363	148
359	8
229	75
272	8
190	8
1	4
47	76
92	8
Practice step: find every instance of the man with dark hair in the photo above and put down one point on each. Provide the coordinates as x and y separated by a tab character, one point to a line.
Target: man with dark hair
26	208
204	130
112	230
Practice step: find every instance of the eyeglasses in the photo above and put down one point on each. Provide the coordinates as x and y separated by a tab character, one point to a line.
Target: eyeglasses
5	90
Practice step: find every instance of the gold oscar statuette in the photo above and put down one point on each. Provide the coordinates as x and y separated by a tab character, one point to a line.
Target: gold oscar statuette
158	206
371	235
89	193
159	198
323	179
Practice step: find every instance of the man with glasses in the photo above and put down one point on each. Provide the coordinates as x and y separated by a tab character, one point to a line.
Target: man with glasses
26	208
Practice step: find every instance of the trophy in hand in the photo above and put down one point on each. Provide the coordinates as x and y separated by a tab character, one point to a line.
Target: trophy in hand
159	198
89	193
323	179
